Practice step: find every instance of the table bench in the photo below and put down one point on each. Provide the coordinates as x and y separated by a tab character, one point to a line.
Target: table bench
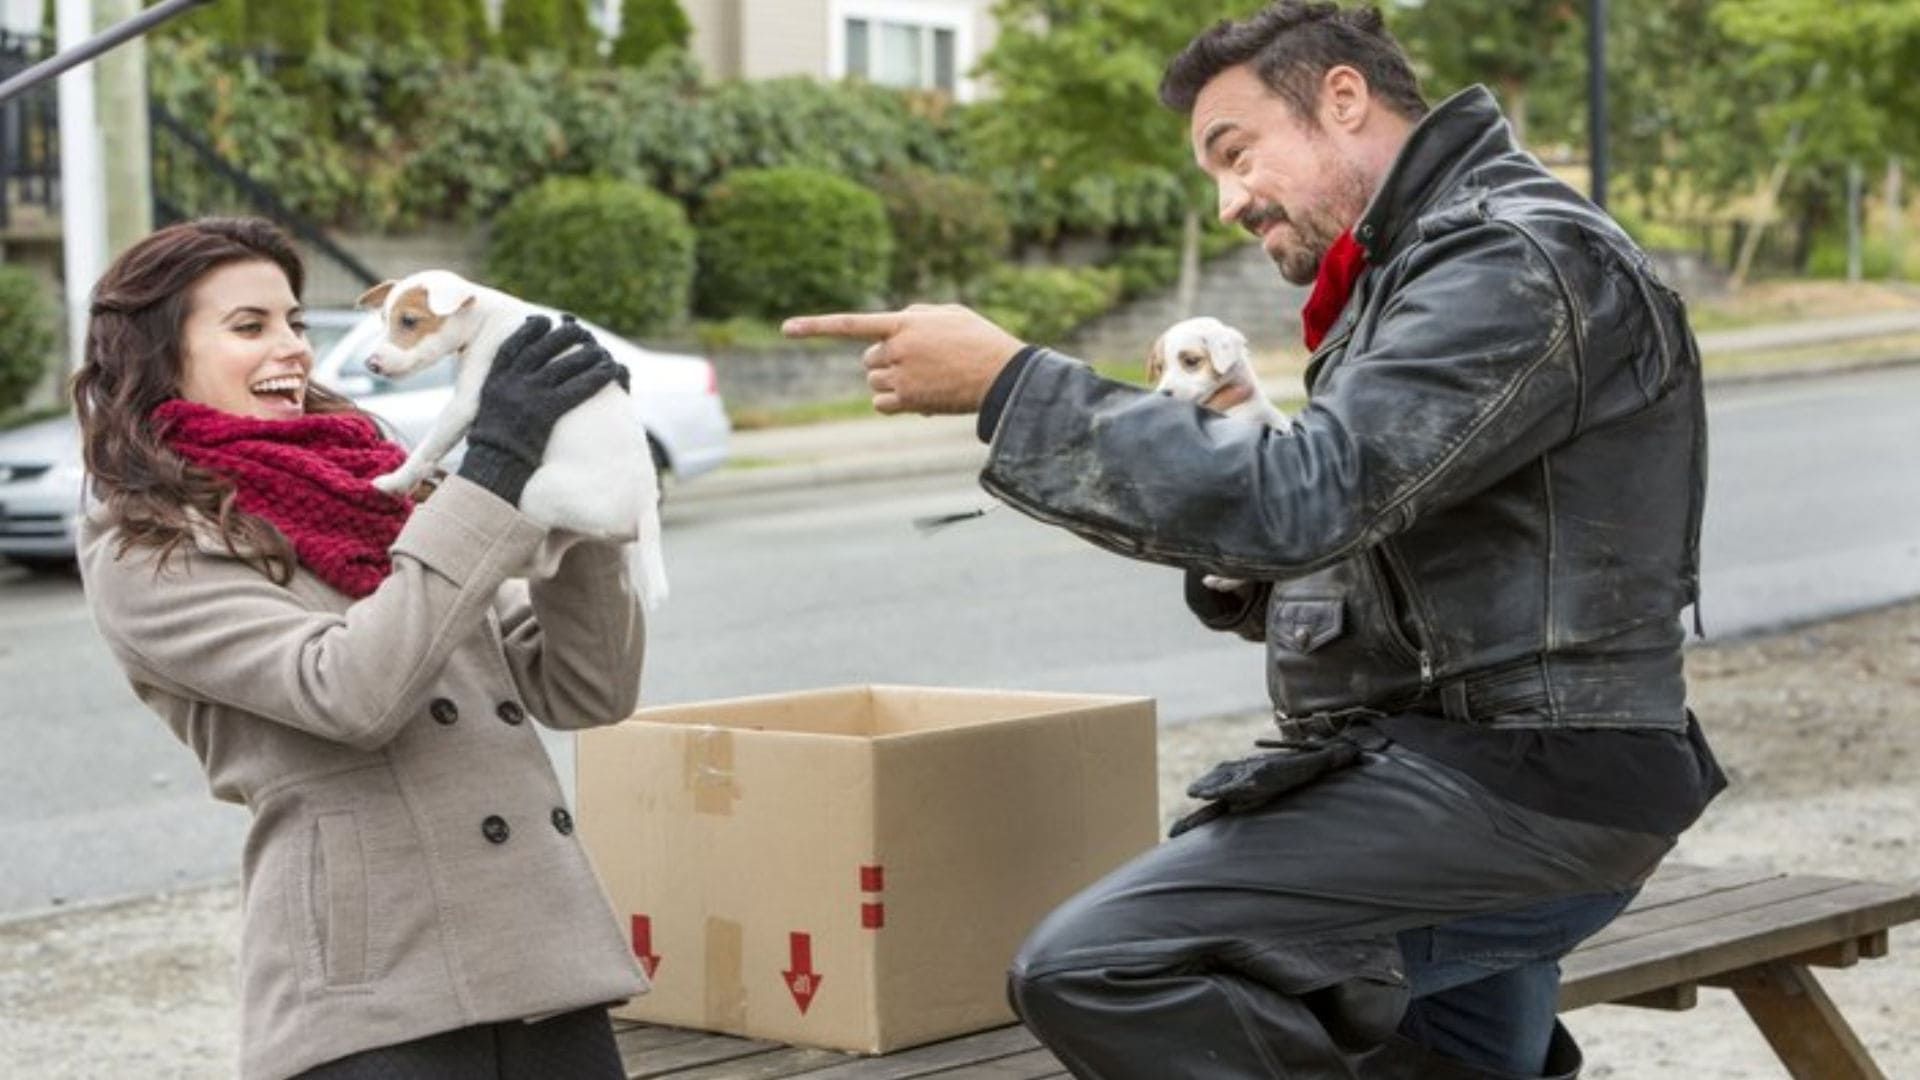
1755	932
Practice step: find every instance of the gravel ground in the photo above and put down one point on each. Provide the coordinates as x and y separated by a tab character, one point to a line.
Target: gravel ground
1819	729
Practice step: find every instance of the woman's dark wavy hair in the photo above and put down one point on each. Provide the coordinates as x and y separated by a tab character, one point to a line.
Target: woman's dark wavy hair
134	362
1292	44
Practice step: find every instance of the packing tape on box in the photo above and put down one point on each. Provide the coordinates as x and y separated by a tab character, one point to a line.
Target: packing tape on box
709	771
726	1005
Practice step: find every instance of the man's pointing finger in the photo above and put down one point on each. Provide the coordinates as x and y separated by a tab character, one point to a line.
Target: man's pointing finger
873	327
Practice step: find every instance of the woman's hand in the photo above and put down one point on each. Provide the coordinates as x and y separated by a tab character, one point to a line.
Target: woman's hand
539	375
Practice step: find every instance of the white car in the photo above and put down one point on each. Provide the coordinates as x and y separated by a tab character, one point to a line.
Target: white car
676	397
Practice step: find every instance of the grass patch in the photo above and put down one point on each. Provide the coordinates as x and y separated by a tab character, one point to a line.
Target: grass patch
1811	357
24	416
815	412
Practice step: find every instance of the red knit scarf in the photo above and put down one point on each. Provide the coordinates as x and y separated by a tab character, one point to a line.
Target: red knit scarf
308	477
1340	267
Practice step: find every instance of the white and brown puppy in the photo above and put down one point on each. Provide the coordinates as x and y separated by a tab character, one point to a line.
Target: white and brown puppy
596	477
1205	361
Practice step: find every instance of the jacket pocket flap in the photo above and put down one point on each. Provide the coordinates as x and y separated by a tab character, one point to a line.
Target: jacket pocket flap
1305	625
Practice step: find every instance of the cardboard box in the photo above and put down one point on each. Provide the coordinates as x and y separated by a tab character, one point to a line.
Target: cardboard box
854	868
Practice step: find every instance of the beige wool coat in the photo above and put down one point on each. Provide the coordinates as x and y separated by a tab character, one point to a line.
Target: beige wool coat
411	867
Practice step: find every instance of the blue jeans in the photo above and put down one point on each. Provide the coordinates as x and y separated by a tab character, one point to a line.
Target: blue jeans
1485	987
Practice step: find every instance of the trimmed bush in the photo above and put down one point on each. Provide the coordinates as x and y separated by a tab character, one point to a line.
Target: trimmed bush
947	232
775	242
1043	304
646	27
28	335
353	23
612	251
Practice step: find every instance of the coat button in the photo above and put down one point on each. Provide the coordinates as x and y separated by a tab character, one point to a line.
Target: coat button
495	829
1301	639
443	711
562	821
511	712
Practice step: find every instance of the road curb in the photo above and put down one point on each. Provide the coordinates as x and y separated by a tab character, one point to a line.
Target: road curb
955	460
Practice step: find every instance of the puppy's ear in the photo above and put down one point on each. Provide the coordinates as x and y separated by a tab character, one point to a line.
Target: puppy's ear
1230	350
448	293
375	296
1156	360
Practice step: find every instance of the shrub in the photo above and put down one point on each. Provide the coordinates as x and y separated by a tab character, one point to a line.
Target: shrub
290	29
398	20
530	26
1828	259
352	23
778	241
1044	304
28	335
612	251
456	29
646	27
947	231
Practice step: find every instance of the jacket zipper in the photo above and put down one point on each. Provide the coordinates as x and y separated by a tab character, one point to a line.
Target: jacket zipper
1393	587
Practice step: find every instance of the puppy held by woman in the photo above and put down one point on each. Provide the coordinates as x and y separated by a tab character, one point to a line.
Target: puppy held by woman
356	669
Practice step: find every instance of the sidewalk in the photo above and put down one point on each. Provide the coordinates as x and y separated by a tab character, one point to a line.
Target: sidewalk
902	447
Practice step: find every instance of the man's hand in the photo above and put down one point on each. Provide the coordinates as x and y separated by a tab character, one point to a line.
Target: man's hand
926	359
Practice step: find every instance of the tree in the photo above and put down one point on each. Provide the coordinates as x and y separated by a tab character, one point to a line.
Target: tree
353	23
646	27
1078	95
1508	43
457	29
530	26
397	20
292	30
580	37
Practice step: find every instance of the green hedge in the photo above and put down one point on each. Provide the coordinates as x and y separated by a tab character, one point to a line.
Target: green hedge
611	251
777	242
28	335
948	231
1044	304
648	26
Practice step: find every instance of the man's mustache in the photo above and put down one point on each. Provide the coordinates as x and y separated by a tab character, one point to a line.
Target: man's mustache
1256	218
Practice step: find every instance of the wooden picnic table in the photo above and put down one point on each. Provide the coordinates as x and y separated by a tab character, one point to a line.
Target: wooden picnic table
1755	932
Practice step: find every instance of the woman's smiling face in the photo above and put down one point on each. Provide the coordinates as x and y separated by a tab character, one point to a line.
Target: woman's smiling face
243	344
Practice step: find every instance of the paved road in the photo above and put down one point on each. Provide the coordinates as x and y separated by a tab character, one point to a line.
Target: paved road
1815	509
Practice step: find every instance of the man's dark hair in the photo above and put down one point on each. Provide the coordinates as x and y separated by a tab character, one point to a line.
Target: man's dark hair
1292	44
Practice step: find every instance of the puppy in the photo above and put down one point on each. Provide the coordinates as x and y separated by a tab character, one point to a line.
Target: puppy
596	478
1205	361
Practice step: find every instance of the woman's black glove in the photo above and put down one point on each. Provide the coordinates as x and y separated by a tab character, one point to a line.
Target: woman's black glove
530	387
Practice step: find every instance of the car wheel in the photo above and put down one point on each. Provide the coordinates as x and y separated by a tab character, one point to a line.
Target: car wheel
45	564
661	466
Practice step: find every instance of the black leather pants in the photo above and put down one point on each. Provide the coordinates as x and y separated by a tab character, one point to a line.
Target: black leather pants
1266	944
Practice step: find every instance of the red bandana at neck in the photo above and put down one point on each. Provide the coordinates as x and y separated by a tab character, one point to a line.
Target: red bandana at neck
310	478
1339	268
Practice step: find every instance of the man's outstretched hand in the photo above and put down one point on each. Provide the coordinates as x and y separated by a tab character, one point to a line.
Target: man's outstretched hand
926	359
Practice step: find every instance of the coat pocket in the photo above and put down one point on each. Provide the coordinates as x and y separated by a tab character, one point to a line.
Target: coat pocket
337	902
1302	626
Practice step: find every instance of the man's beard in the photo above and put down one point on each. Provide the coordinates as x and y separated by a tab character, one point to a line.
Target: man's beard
1317	228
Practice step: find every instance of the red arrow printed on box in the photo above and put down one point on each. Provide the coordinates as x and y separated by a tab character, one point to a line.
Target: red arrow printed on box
643	945
802	981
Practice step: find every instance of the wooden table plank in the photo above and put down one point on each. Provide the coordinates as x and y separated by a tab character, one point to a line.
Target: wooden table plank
1031	1065
704	1050
935	1058
1732	940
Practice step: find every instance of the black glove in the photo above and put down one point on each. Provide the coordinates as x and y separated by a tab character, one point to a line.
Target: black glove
530	387
1252	782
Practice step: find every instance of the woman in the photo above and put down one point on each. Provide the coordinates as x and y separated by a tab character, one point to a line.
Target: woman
357	671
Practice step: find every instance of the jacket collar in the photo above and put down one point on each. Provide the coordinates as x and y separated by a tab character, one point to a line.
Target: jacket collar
1461	133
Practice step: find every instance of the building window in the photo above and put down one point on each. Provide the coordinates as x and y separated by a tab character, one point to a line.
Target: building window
904	44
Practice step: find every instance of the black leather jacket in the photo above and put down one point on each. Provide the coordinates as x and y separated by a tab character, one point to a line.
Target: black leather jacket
1490	506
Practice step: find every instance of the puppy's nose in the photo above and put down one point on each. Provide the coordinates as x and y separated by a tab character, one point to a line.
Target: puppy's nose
375	366
1164	393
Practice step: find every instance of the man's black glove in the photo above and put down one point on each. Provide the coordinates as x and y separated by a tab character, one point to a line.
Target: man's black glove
531	386
1249	783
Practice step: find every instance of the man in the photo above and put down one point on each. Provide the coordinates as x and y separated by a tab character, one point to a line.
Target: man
1471	554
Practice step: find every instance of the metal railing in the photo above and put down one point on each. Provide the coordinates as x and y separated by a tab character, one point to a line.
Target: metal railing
29	131
183	161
